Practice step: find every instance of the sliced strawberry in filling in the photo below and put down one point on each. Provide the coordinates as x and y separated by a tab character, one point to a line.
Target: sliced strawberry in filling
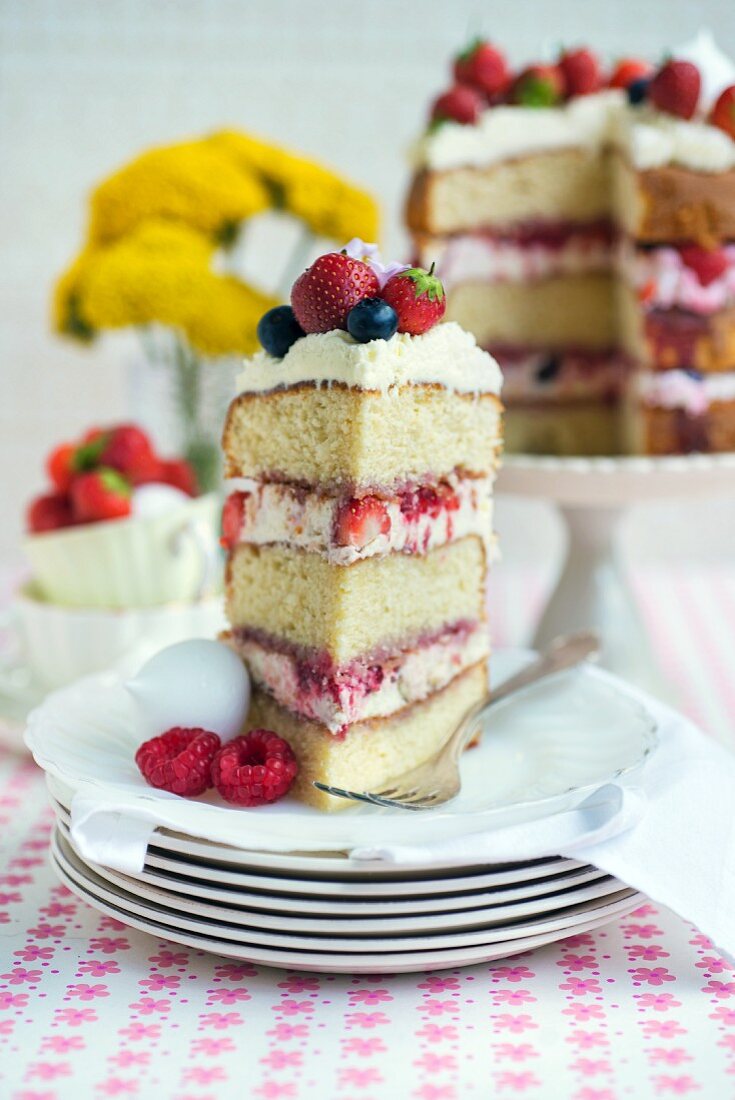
360	520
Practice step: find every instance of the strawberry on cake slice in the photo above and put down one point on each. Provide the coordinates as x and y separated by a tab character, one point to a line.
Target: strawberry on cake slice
361	451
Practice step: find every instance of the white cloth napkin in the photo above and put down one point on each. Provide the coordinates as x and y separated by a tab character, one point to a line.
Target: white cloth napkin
672	836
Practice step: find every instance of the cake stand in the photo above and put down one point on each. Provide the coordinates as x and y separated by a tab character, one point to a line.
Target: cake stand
592	496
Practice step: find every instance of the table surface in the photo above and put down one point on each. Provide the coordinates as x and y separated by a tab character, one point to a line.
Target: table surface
642	1007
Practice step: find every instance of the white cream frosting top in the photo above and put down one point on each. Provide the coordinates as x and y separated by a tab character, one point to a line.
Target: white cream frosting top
505	132
446	355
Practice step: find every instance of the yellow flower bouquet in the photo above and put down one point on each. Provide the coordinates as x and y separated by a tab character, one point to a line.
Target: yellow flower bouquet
156	258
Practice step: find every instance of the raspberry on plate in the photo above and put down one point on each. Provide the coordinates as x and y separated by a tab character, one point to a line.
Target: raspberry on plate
254	769
326	292
179	761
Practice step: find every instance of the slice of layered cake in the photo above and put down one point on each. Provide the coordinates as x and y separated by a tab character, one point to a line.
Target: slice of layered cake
583	223
359	523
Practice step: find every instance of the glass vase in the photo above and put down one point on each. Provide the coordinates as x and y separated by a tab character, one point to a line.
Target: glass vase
181	397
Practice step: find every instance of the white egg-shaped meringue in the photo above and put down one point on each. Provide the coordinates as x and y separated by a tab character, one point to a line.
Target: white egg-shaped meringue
193	684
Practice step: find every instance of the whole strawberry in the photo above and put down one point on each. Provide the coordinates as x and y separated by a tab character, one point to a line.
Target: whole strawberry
128	449
179	473
538	86
418	298
49	512
326	292
628	70
100	495
675	89
60	466
722	114
460	104
582	72
484	67
708	264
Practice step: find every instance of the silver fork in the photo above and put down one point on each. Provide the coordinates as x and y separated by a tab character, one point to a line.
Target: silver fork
437	780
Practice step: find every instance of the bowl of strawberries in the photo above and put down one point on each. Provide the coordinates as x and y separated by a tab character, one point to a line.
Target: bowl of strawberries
121	526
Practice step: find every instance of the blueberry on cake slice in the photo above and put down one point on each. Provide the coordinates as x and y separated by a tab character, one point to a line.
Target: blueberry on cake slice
360	452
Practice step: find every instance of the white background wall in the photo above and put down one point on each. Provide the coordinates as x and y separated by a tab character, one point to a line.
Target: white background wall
86	84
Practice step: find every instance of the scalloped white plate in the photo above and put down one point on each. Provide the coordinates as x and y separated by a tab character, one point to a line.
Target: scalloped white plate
545	750
290	950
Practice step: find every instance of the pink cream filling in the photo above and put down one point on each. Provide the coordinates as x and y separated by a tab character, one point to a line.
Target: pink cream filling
540	377
662	280
524	253
376	685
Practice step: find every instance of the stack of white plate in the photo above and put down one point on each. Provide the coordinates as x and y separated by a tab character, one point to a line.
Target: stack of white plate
245	893
326	913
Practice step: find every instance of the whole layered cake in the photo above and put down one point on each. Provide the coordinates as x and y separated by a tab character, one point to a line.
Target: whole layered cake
582	220
361	451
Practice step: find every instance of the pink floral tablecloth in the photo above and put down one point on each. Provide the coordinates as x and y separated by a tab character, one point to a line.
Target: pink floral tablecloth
643	1007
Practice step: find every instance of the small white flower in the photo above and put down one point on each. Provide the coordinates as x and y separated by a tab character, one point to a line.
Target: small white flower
370	255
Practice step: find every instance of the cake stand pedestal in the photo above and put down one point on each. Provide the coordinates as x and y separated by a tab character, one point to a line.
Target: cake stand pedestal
593	495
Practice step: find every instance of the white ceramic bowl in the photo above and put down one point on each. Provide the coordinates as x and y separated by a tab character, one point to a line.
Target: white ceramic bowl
60	644
132	563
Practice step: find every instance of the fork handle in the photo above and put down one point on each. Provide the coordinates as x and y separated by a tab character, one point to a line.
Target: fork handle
564	652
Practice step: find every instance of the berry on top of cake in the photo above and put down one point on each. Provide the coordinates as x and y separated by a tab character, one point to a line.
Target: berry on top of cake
109	473
582	219
361	452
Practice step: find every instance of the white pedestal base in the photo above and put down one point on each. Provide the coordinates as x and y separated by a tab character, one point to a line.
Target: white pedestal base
593	496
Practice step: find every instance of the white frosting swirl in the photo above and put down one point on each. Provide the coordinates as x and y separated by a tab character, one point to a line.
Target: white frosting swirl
446	355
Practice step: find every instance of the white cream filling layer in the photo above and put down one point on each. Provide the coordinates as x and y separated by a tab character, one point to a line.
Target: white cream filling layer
446	355
407	679
275	513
